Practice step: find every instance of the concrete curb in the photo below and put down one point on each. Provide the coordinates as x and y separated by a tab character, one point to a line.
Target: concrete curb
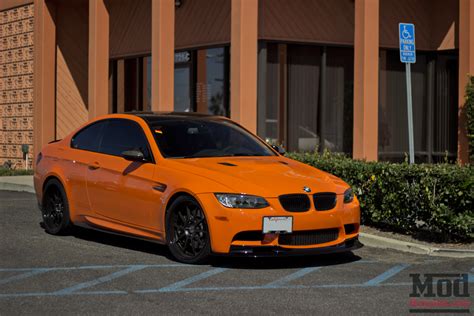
17	183
405	246
16	187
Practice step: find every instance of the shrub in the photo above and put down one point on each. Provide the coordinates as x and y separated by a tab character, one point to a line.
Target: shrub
15	172
436	199
469	108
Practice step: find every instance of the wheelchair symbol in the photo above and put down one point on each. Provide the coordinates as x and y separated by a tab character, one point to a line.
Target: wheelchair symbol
405	33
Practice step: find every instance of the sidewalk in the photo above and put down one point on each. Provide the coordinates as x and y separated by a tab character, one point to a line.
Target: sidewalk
375	241
17	183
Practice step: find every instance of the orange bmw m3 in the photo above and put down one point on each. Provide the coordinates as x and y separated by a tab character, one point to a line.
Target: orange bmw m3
200	184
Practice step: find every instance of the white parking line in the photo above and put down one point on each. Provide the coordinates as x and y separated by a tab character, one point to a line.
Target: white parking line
100	280
386	275
181	284
291	277
23	276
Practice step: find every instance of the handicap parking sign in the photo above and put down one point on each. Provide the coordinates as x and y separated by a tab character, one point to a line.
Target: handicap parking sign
406	33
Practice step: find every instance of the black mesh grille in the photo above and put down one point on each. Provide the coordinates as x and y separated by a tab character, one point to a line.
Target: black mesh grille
309	237
295	202
324	201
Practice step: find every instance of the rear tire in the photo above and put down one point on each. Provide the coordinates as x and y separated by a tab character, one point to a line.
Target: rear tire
55	209
187	233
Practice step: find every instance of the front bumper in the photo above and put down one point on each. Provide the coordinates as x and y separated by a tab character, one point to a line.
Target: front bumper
276	251
225	223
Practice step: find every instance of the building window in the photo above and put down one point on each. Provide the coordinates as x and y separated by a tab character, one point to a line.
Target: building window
211	84
130	80
304	74
183	79
434	96
201	82
306	96
269	123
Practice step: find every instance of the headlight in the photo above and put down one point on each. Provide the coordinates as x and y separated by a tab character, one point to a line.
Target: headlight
348	196
241	200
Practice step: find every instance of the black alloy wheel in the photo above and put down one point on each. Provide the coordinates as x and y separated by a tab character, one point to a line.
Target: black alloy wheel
55	209
188	233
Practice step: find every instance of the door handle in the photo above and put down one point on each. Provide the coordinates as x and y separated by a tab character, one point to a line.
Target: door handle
94	166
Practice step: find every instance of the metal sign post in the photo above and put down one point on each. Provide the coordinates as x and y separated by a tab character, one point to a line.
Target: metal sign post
406	33
24	150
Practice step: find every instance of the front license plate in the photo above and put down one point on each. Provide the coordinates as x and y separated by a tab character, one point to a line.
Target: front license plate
280	224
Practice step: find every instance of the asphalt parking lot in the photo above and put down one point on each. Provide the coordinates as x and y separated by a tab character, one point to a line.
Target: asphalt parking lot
97	273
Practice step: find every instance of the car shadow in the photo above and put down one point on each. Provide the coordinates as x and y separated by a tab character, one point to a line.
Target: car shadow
119	241
295	262
267	263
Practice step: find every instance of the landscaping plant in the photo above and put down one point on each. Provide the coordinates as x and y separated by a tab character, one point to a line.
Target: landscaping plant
433	200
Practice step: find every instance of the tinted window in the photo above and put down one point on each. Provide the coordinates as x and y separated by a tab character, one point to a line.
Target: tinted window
88	138
187	138
123	135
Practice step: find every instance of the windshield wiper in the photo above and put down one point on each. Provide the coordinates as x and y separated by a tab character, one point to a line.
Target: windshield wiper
223	155
201	156
244	154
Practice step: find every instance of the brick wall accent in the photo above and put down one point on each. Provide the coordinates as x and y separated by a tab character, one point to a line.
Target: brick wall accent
16	84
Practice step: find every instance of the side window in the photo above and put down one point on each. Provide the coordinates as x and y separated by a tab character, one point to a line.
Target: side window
122	135
88	138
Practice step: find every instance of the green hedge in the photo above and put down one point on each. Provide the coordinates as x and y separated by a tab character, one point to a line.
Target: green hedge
469	108
15	172
435	201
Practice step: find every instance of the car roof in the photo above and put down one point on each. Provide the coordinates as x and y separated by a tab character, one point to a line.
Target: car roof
153	117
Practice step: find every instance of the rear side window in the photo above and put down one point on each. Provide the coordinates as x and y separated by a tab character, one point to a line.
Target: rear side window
122	135
88	138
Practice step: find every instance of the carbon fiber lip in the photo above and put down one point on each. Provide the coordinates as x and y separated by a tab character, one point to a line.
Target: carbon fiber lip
272	251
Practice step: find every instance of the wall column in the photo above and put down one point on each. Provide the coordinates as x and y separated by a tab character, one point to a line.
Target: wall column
243	62
366	77
98	59
44	104
466	66
162	55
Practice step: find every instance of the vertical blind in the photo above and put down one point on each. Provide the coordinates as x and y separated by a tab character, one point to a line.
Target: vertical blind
270	121
304	66
317	97
338	115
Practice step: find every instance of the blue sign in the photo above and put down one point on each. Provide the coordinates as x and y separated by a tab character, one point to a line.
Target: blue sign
406	32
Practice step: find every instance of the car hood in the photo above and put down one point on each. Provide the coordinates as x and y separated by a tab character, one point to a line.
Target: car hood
264	176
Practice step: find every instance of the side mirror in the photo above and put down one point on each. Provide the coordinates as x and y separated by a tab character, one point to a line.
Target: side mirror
279	149
133	155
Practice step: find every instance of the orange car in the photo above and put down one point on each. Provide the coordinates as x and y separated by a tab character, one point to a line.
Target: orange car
200	184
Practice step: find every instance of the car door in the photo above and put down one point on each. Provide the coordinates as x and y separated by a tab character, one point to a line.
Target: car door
84	145
120	189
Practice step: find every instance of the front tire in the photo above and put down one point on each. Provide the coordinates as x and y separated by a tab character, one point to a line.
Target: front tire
187	233
55	209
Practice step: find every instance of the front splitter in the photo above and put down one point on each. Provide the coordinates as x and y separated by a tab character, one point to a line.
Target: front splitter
275	251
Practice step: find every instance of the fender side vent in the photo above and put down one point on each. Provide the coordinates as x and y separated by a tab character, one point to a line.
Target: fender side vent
227	164
283	163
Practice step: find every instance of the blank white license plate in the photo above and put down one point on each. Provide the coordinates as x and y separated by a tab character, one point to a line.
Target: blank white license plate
282	224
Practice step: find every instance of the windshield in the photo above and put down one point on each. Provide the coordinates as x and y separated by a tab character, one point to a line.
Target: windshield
193	138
